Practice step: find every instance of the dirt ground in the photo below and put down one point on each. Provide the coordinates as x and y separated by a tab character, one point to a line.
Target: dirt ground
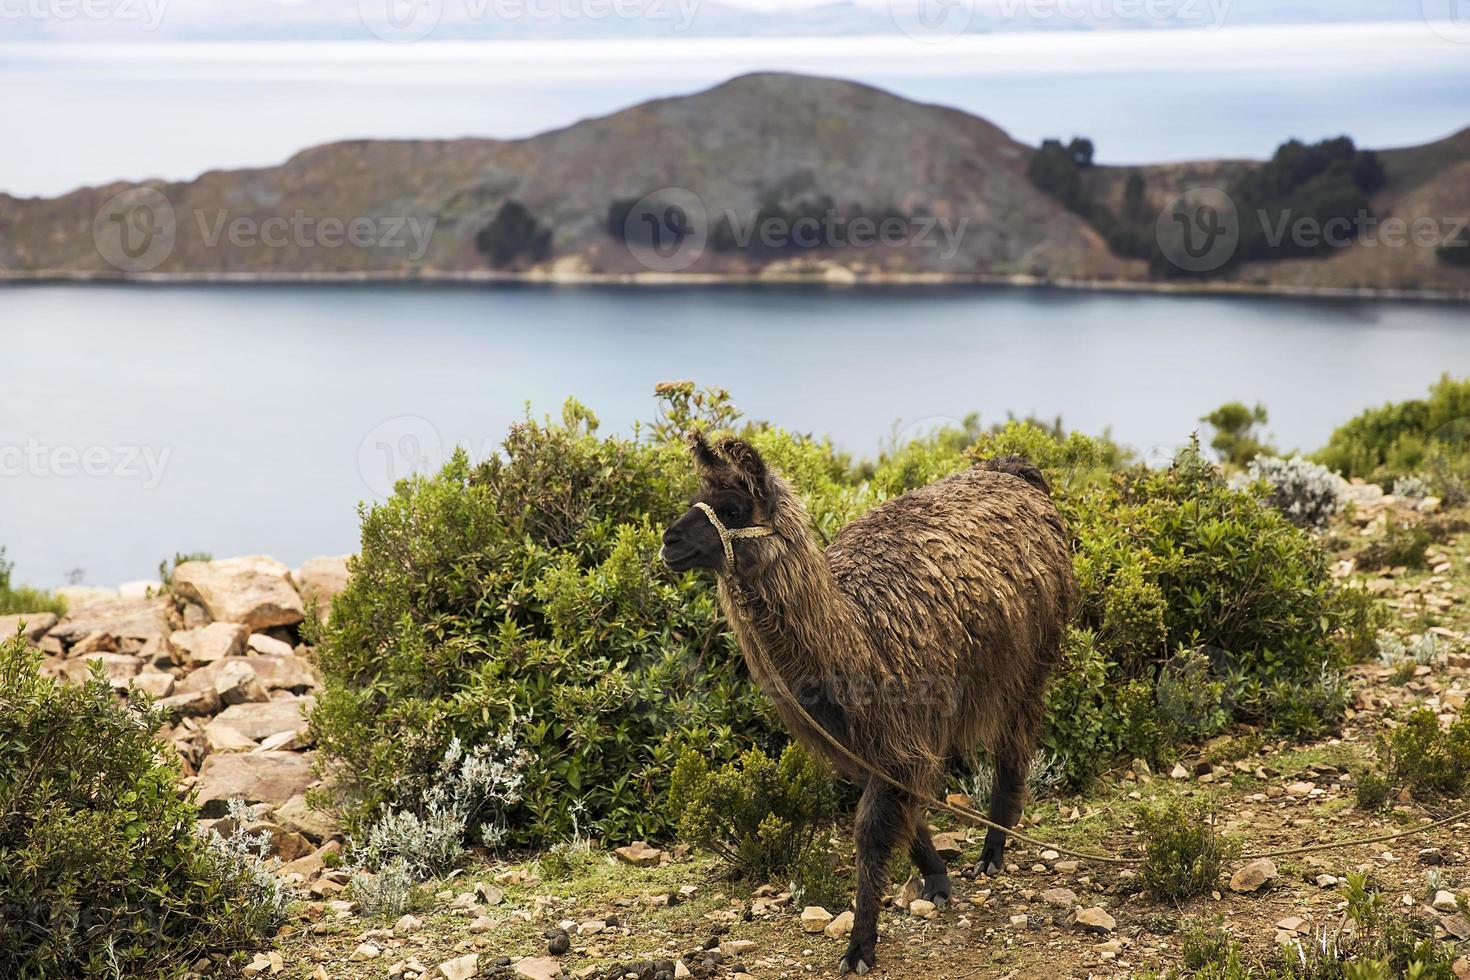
1015	924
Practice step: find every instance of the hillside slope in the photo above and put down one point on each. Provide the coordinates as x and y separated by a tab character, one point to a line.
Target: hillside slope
956	183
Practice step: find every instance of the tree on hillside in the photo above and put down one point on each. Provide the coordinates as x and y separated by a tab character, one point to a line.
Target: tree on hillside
1235	436
512	235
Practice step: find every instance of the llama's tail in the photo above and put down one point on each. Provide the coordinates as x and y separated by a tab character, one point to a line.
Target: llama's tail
1017	466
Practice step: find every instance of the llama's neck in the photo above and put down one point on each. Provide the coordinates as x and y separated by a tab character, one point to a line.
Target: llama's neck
805	625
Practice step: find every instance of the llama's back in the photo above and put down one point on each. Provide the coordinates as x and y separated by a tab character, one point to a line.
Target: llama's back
967	584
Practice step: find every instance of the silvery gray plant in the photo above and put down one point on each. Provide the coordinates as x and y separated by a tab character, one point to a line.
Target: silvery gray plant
1410	487
1308	493
249	854
469	787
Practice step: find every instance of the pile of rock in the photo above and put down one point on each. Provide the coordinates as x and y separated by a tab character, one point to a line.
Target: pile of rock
220	650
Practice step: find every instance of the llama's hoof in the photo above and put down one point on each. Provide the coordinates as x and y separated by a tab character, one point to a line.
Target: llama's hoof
937	889
991	862
858	959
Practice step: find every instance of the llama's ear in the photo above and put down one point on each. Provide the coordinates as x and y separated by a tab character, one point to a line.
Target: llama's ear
706	462
750	466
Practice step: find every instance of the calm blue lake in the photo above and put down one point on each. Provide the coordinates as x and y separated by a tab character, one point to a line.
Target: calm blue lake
136	421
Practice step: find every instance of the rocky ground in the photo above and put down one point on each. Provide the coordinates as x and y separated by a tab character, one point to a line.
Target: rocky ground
584	912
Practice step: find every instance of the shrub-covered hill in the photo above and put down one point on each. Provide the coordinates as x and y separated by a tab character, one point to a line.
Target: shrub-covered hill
764	147
520	602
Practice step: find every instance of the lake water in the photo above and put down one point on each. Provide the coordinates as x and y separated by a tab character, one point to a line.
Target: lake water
79	114
136	421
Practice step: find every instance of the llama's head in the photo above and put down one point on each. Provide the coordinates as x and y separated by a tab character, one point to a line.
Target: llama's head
738	515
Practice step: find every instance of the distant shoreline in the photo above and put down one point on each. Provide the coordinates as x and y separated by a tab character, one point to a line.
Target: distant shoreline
660	280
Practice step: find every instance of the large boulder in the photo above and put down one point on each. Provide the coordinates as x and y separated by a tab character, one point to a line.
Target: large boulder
77	596
254	777
321	579
253	590
266	718
297	675
33	625
297	815
207	644
114	624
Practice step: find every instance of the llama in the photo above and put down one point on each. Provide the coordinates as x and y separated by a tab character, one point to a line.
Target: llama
927	627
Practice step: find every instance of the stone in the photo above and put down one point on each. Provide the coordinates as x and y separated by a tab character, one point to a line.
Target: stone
237	684
254	590
840	926
255	777
268	646
293	674
734	948
223	738
284	844
77	596
1066	867
639	854
814	919
910	890
1457	925
1060	897
1300	788
949	846
1444	901
206	644
154	683
366	951
1178	772
307	867
190	704
32	625
921	907
408	925
119	668
1461	968
1094	919
1326	881
532	968
1253	876
263	719
320	579
1019	921
482	924
114	624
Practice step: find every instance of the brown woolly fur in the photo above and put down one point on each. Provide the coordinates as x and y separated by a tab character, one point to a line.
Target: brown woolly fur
928	627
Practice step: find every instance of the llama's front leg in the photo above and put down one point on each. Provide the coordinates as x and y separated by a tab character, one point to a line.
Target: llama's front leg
882	822
937	888
1005	809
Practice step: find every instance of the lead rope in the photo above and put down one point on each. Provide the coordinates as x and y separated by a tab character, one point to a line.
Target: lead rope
958	810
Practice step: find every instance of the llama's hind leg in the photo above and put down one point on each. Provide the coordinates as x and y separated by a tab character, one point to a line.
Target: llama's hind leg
937	888
1005	808
884	819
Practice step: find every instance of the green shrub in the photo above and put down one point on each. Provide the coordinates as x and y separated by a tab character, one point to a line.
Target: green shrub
523	593
513	236
20	599
1371	790
1427	760
103	868
761	816
1235	437
1429	436
1184	854
1402	544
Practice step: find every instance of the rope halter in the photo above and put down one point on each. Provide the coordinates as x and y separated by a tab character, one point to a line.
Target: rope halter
727	535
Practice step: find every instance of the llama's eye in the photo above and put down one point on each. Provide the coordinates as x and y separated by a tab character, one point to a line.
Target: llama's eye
730	515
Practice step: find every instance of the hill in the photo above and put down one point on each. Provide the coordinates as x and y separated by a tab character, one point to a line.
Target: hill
925	191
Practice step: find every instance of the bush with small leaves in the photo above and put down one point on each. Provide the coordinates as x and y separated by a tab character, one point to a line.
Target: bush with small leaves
1184	854
1371	790
1427	760
761	815
104	869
